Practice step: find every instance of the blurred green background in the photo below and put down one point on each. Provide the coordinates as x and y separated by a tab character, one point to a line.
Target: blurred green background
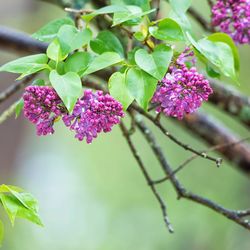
94	197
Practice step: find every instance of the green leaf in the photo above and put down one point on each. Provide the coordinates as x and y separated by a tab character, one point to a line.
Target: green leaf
68	87
55	52
103	61
143	4
49	31
217	53
133	12
1	233
5	188
16	194
119	90
14	209
222	37
141	86
17	203
71	39
10	206
131	56
155	64
38	82
106	41
29	215
26	65
178	13
212	72
168	30
78	62
105	10
139	36
19	107
180	6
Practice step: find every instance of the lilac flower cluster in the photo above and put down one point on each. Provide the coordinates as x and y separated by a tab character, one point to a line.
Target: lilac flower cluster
233	18
183	89
42	106
93	113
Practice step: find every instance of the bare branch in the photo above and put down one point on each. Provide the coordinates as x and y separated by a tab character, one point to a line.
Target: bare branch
194	156
231	101
15	87
157	123
8	112
147	177
233	215
201	20
213	132
19	42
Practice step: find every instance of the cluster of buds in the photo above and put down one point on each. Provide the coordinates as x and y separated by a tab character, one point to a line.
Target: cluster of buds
233	18
92	114
183	89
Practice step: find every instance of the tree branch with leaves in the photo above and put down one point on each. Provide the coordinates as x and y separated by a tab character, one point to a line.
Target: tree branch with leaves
98	65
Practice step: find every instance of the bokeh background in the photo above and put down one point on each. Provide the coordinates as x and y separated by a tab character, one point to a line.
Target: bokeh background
94	197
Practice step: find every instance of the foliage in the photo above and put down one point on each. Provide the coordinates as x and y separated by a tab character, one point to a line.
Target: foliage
140	56
18	204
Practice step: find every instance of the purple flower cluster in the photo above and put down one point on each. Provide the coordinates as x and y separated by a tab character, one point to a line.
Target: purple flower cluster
183	89
42	106
93	113
233	18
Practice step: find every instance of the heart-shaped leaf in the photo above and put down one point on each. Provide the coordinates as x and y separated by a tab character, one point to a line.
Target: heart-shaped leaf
106	41
78	62
55	52
141	86
155	64
71	39
68	87
119	90
168	30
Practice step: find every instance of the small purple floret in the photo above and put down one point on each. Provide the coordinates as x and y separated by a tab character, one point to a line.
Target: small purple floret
233	18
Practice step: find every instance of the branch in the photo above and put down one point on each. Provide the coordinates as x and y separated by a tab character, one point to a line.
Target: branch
19	42
201	20
15	87
231	101
194	156
8	112
146	175
234	215
213	132
157	123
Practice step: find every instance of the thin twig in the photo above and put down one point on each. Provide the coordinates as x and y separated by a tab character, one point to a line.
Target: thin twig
146	175
156	122
194	156
8	112
201	20
234	215
15	87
